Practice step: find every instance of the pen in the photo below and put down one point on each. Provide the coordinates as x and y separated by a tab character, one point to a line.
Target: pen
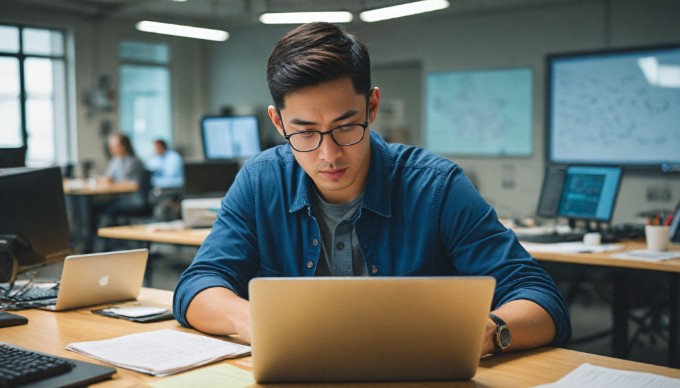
669	219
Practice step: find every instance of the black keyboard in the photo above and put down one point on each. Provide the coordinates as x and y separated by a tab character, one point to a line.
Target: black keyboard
36	293
551	238
21	366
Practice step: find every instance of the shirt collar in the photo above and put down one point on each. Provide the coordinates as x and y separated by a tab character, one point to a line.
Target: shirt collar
376	195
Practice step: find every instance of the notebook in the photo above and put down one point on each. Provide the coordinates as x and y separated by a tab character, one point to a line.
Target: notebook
98	278
368	329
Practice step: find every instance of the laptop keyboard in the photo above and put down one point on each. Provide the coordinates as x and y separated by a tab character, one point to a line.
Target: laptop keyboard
36	293
21	366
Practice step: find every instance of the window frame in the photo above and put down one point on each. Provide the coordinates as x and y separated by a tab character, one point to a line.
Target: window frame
21	57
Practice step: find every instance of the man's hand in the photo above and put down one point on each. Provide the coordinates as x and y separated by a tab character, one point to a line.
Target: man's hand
219	311
488	346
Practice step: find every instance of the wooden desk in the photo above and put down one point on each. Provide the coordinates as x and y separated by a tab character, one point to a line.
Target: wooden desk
91	187
83	192
50	332
621	279
605	259
186	236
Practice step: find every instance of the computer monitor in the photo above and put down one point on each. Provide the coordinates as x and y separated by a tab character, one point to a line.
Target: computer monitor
230	137
32	206
615	107
589	193
551	191
12	157
210	177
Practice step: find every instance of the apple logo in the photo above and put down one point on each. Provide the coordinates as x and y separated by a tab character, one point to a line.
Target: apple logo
104	280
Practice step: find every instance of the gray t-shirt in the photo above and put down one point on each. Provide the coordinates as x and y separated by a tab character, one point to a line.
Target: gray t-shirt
340	252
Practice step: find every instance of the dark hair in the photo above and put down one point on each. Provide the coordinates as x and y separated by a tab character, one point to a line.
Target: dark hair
314	53
162	143
126	143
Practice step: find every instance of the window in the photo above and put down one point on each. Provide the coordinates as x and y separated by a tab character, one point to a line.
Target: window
33	93
145	95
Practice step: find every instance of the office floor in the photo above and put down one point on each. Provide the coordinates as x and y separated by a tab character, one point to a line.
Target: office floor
590	312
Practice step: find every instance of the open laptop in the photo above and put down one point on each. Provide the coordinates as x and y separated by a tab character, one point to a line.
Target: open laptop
98	278
368	329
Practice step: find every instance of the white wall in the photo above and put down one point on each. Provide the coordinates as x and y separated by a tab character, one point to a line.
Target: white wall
506	38
95	42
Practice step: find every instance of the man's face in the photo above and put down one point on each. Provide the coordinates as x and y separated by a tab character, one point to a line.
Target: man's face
158	148
339	172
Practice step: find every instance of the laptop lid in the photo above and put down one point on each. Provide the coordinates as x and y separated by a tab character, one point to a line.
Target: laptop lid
368	329
99	278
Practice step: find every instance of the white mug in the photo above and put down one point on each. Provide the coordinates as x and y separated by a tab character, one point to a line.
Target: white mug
657	237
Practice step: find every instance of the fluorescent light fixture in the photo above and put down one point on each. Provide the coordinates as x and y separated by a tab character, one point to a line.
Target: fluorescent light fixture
184	31
397	11
306	17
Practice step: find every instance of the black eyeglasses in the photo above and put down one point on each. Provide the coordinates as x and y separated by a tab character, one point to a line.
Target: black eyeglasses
343	135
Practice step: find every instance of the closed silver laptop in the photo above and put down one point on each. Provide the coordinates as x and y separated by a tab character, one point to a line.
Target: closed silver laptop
98	278
368	329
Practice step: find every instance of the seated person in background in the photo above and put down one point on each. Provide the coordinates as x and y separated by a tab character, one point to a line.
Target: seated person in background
124	164
350	204
167	167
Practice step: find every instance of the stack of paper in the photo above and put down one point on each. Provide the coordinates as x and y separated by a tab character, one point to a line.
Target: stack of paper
161	352
587	375
646	255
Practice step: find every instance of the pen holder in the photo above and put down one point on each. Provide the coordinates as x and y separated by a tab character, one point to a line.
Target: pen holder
657	237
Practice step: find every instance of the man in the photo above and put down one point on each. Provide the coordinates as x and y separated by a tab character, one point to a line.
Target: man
338	200
167	167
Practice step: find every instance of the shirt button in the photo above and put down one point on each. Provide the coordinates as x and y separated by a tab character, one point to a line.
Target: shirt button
310	264
341	246
374	269
315	242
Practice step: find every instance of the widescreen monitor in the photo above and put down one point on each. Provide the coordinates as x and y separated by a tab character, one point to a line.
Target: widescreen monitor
32	206
230	137
615	108
589	192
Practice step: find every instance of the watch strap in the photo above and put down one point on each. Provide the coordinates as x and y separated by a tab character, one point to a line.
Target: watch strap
500	325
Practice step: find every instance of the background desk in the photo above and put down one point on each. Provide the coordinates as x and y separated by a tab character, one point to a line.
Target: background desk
50	332
622	280
83	192
192	237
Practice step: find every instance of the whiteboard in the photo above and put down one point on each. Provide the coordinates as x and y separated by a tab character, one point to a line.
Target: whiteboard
479	113
616	108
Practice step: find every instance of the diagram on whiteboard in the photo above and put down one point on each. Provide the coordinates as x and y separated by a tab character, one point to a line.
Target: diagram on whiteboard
484	113
614	110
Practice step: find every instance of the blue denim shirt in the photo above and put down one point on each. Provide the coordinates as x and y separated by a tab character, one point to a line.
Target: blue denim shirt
420	217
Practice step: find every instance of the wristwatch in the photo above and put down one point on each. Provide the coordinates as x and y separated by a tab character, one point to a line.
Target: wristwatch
502	340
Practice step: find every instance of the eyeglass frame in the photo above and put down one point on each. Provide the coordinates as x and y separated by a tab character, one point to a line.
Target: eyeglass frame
364	125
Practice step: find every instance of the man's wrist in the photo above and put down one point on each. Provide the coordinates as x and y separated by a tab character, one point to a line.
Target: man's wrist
501	336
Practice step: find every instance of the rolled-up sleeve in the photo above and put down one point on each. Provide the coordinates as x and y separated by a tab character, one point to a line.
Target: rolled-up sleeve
480	245
229	256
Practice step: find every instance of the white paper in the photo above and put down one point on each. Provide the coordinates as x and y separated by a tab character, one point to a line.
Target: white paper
161	352
136	311
591	376
646	255
571	247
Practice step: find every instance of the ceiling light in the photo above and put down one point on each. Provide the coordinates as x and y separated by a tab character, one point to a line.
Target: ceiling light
401	10
306	17
180	30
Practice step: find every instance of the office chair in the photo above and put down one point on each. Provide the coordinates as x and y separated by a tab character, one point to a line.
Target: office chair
123	215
